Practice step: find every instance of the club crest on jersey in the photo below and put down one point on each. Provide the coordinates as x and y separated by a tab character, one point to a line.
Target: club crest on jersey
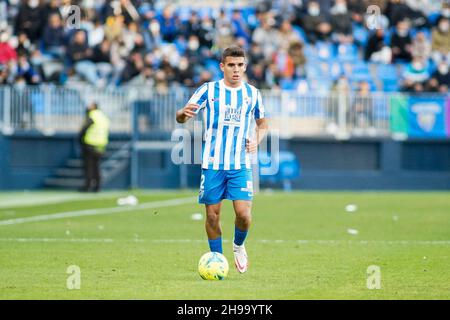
232	115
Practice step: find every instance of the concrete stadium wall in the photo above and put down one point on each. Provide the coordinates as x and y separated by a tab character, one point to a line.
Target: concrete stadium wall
356	164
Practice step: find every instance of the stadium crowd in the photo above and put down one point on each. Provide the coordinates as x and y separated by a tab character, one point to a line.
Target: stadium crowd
139	42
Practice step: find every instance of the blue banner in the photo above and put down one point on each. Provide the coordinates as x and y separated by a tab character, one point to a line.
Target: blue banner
427	117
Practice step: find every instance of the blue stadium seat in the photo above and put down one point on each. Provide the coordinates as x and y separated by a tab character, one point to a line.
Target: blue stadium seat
347	53
386	71
360	34
287	84
325	50
391	85
184	13
360	66
288	168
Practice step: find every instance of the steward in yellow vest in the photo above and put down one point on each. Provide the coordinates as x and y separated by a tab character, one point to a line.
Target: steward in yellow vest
93	139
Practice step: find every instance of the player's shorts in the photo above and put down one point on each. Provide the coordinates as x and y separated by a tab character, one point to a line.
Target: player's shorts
217	185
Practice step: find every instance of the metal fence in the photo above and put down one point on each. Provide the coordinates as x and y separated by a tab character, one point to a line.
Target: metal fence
52	109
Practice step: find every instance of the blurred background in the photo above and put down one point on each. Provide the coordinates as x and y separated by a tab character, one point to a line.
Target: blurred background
356	91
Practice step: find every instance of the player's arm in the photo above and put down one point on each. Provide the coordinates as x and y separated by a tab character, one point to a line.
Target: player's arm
262	128
187	112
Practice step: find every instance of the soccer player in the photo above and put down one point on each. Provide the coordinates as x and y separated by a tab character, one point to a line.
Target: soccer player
230	105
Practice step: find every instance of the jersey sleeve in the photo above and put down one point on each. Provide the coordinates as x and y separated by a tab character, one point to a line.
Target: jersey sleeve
200	97
259	110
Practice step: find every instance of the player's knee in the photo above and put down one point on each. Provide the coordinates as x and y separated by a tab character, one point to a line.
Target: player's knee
244	217
212	218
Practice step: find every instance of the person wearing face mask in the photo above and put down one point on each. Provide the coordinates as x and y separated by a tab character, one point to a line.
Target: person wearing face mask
440	41
315	23
401	42
440	79
341	21
192	51
30	20
415	76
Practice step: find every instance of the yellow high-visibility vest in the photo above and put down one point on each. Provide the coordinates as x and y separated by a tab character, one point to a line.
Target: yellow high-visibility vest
97	134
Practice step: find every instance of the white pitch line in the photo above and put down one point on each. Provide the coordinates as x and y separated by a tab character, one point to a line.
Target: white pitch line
178	241
101	211
28	199
105	240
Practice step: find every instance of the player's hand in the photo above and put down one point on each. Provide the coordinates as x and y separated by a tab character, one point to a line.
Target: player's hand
190	110
251	146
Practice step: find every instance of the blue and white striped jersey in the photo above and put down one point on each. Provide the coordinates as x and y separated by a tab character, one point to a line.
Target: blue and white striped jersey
228	117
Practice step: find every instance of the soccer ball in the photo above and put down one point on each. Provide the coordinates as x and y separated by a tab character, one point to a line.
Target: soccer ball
213	266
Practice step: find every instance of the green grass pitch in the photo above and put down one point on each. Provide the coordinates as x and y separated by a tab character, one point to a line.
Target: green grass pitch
302	245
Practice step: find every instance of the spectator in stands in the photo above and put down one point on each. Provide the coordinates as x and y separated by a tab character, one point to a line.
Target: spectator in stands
185	73
97	34
295	51
30	19
358	8
256	73
50	8
123	8
145	78
340	92
287	35
284	63
401	42
132	38
4	74
267	37
224	31
20	96
255	54
7	52
114	27
240	26
53	38
315	23
421	47
341	22
134	65
24	70
192	26
207	32
80	56
376	49
152	35
415	75
168	24
398	10
361	113
416	13
273	76
440	79
24	46
441	41
101	56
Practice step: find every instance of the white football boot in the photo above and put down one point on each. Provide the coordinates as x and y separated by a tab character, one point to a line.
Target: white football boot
240	258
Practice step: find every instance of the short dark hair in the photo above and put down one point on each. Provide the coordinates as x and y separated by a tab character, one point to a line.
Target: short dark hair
233	51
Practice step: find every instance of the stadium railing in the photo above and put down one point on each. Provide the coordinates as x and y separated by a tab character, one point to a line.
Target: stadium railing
52	109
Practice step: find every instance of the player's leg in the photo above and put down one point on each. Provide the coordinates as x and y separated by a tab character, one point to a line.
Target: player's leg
240	190
243	219
242	209
212	191
212	226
